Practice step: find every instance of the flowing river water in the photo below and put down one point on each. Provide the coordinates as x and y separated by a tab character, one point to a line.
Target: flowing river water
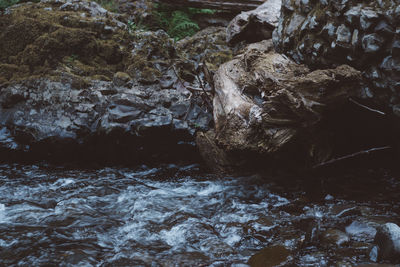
180	216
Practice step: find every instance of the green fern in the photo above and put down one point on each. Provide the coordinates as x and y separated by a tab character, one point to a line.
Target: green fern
181	25
178	23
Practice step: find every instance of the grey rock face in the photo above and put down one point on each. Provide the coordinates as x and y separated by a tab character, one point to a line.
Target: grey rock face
388	241
362	34
135	121
256	25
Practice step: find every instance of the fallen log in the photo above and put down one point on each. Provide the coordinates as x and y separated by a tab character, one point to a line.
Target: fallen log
229	5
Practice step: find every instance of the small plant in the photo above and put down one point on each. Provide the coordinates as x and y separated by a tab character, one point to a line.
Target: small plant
178	23
70	60
132	26
181	25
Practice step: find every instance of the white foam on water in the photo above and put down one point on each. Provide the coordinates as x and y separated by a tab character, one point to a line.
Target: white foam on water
2	213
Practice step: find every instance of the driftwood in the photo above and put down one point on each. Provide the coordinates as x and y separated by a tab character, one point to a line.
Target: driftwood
230	5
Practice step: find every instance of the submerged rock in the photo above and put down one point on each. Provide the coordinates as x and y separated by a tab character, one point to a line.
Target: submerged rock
388	241
335	237
255	25
270	256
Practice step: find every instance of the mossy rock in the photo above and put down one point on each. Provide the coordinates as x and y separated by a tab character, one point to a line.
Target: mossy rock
43	38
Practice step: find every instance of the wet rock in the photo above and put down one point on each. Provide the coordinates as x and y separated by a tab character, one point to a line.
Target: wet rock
388	241
368	17
335	237
375	265
360	231
256	25
343	34
54	122
396	48
352	16
215	157
270	256
372	43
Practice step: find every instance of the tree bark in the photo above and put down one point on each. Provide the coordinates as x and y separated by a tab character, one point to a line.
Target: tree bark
230	5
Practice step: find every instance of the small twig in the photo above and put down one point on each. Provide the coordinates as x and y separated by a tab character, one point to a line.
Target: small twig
179	78
208	76
367	108
195	89
206	98
188	110
363	152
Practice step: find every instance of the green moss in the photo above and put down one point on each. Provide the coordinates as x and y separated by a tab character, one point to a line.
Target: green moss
42	42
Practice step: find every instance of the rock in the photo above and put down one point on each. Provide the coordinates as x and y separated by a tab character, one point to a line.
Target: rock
265	102
343	34
270	256
77	86
372	43
131	125
151	56
208	45
215	157
388	241
256	25
368	17
352	16
121	79
396	48
365	38
360	231
335	237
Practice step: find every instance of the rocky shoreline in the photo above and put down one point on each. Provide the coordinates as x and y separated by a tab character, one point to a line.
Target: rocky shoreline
292	85
79	84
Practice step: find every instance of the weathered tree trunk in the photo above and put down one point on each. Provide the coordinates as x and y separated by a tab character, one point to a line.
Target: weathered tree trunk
231	5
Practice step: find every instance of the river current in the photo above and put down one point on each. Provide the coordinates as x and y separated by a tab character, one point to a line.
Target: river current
180	216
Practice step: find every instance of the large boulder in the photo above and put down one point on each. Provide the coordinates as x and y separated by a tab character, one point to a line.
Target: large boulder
255	25
267	106
388	241
362	34
78	84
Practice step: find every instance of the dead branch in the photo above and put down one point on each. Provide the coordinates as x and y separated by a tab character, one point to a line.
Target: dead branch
206	97
363	152
367	108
